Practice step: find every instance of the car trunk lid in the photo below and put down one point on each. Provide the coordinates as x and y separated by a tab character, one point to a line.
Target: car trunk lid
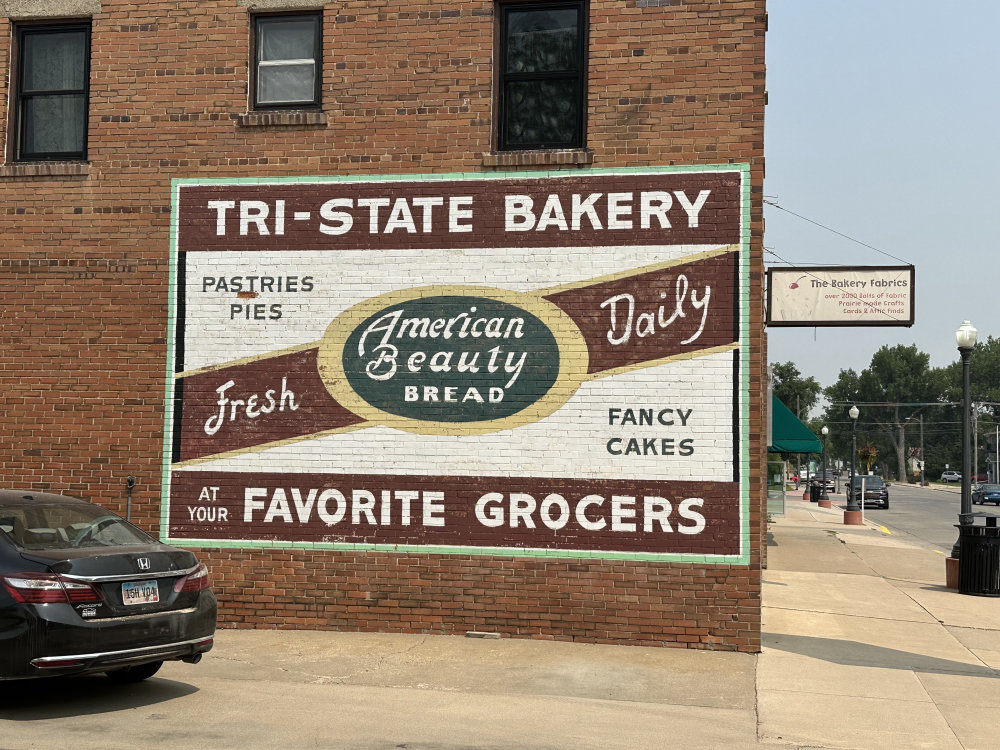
133	580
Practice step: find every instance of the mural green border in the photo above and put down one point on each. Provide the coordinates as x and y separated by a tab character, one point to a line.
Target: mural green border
743	416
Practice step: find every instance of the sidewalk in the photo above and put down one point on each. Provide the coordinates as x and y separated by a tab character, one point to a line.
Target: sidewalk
863	648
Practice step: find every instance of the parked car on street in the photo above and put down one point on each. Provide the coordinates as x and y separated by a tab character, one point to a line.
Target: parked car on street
82	591
951	476
986	493
824	479
876	490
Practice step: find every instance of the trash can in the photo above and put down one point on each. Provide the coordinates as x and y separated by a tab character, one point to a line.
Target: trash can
814	492
979	556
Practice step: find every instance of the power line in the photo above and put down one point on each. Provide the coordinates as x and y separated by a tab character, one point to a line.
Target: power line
834	231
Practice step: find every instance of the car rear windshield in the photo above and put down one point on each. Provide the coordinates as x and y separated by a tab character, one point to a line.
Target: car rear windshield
53	525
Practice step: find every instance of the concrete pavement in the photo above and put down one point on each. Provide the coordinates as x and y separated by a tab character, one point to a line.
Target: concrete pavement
863	648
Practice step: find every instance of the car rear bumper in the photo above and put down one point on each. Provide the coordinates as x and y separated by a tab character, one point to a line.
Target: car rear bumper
53	639
101	661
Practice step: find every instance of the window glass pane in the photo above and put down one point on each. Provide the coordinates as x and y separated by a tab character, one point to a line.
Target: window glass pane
57	525
286	84
541	113
53	124
542	40
54	61
286	39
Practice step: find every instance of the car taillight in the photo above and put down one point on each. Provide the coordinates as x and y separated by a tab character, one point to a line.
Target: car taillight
43	588
195	581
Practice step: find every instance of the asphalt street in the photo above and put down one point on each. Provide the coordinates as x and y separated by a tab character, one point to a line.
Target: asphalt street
924	516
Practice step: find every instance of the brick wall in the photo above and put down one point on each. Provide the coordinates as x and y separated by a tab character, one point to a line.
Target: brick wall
84	261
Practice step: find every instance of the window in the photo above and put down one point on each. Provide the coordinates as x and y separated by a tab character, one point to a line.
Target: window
53	71
542	94
286	61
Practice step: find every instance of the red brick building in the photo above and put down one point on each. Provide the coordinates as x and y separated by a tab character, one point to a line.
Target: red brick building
426	317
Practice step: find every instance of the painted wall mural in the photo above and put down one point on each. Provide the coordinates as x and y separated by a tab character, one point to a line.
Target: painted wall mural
525	364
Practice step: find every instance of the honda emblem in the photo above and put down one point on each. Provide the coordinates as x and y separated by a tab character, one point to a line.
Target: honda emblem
143	563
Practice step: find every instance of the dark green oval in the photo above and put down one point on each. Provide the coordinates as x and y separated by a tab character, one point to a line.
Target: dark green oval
413	326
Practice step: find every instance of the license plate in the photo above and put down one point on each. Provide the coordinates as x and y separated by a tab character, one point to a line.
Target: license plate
140	592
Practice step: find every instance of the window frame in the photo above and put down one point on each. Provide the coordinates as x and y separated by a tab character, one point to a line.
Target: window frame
317	101
18	154
579	76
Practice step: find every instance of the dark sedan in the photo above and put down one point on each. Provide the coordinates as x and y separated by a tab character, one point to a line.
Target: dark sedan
986	493
82	590
876	491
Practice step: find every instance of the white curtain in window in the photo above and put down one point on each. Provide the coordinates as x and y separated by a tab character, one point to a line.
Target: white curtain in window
286	68
53	82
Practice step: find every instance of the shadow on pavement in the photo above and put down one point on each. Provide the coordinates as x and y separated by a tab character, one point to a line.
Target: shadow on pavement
63	697
852	653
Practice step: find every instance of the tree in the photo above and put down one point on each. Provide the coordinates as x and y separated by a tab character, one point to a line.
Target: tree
984	382
841	395
984	376
867	455
796	392
888	392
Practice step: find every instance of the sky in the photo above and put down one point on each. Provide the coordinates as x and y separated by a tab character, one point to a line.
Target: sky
883	124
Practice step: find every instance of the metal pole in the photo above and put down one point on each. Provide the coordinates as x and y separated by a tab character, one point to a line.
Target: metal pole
922	458
852	503
966	436
129	485
975	447
965	514
822	493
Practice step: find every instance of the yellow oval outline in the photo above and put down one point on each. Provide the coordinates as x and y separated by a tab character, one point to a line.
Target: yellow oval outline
574	359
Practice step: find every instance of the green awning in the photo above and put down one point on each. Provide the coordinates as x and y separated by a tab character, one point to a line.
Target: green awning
788	434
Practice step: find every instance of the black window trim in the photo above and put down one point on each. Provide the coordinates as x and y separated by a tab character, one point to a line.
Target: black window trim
21	30
317	102
580	76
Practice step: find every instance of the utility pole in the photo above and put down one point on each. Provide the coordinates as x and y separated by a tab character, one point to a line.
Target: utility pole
902	443
922	461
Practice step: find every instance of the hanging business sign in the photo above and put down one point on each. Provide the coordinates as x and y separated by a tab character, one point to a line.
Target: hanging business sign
840	296
525	364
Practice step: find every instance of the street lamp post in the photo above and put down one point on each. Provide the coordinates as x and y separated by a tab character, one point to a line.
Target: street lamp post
853	512
965	336
824	498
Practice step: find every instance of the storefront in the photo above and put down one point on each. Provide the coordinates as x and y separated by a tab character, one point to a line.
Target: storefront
386	361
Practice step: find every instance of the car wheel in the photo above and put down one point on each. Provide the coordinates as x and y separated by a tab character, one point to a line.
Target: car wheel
138	673
886	504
